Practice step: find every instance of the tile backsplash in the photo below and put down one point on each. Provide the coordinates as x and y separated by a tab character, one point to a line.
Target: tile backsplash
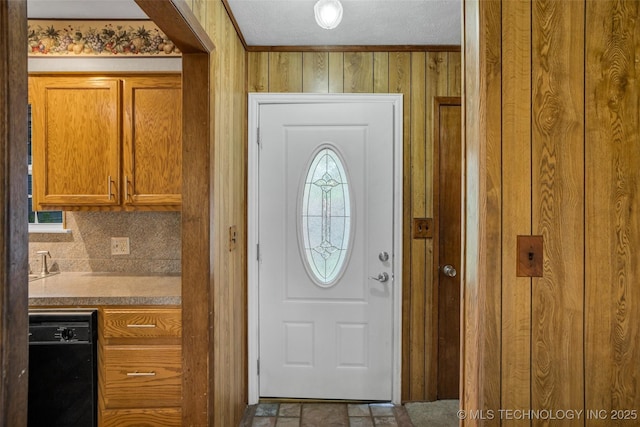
154	241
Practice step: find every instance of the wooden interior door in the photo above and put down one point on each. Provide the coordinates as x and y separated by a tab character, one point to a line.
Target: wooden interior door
448	128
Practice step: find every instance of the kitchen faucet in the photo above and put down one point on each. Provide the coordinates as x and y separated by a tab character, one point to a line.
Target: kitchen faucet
44	271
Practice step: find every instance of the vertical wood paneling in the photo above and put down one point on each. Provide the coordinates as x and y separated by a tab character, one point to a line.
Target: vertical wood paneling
481	291
258	72
420	333
315	72
491	212
381	72
336	72
199	9
285	71
454	74
612	222
516	220
437	76
223	268
358	72
239	221
400	82
558	204
419	76
232	72
472	393
570	99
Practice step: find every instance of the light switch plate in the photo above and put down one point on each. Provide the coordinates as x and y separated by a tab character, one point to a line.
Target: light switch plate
119	246
530	257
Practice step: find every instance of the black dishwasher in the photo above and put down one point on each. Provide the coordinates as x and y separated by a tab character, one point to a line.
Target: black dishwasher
62	368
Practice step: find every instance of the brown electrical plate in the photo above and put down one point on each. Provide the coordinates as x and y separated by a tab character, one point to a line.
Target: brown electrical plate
422	228
530	260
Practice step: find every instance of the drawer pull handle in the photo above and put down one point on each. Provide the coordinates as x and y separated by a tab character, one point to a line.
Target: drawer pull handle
151	325
141	374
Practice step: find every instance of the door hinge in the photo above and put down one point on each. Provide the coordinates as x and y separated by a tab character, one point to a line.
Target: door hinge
258	137
258	252
258	365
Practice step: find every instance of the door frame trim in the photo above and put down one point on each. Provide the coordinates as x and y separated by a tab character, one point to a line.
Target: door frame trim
253	338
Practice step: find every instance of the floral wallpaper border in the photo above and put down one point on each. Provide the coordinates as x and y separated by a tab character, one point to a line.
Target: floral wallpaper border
98	38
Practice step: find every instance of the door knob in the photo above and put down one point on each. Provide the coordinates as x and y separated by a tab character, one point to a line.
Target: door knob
449	270
382	277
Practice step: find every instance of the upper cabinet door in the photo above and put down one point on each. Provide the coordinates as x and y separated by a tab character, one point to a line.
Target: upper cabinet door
76	141
152	141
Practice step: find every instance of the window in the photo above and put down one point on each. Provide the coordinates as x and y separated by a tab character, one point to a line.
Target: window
325	217
40	221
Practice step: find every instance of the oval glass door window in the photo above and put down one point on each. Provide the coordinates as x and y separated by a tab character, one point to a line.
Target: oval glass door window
325	217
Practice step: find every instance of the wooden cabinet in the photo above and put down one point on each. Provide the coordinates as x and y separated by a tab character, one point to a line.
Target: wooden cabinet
140	366
152	133
106	142
75	140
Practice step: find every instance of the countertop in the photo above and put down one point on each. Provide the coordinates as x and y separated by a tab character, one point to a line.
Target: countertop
93	289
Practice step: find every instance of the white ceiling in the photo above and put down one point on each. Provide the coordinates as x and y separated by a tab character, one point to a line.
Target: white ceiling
364	22
84	9
291	22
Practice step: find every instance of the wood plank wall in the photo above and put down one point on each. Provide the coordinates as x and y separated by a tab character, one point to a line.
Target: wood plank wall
566	144
612	208
228	350
13	239
420	76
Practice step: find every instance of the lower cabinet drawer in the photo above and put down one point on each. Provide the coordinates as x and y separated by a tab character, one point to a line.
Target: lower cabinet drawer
142	323
142	418
142	377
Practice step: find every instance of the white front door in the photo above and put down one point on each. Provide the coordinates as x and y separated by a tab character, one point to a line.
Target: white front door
326	250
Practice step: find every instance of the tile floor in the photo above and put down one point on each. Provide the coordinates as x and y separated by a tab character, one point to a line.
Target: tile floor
325	415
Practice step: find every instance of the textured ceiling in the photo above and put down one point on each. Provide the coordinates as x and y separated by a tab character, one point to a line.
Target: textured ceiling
364	22
291	22
84	9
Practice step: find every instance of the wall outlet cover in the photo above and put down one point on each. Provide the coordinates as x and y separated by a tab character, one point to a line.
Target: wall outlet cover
423	228
120	246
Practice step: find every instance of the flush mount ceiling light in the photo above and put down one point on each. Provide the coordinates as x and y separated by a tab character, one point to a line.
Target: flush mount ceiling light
328	13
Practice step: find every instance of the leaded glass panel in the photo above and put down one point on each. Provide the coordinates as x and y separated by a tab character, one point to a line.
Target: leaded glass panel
326	217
